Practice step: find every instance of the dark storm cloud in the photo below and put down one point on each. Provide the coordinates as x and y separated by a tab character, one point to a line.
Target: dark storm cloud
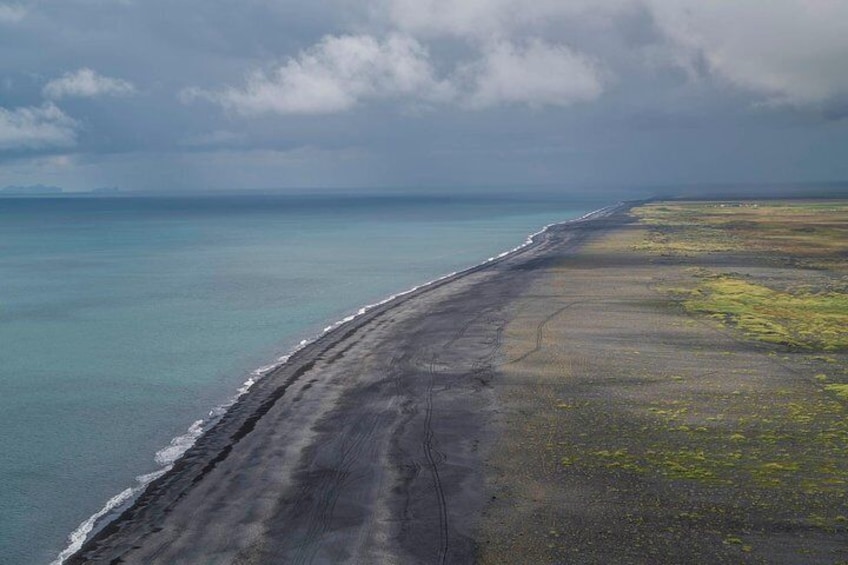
192	94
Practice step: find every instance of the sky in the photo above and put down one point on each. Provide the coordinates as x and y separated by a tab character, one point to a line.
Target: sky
192	95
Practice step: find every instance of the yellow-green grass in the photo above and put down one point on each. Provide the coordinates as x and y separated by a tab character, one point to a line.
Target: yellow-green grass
793	441
808	234
729	445
763	445
801	319
839	390
813	232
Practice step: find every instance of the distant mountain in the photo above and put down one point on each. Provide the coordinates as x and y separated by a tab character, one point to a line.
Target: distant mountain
32	189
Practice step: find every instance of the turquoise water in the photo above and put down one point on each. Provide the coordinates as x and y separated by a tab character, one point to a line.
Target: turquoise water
125	320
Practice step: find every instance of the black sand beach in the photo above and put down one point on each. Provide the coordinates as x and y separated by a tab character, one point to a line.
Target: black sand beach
368	446
657	384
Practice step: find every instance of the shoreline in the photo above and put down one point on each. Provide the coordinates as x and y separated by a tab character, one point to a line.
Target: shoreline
269	384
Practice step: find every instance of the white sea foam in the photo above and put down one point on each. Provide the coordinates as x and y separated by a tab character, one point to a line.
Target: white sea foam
78	536
168	455
179	445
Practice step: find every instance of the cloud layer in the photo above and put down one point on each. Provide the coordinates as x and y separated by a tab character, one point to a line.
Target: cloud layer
342	72
12	13
85	83
36	128
421	91
554	53
791	51
335	75
536	74
498	19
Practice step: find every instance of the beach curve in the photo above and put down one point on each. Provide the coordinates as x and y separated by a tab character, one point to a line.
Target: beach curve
348	347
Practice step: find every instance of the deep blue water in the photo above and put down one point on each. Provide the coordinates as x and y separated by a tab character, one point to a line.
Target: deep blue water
125	320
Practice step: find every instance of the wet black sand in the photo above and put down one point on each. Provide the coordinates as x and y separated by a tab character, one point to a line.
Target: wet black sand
368	446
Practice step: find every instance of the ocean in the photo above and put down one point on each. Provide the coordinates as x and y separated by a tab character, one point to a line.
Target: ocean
127	324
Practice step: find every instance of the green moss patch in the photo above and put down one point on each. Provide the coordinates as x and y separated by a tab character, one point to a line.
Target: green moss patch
840	390
809	320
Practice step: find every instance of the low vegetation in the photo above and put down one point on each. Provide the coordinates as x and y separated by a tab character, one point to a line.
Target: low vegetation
745	441
813	235
707	403
804	233
777	272
800	318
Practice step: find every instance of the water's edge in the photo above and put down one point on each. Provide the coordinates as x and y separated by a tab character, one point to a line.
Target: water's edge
170	455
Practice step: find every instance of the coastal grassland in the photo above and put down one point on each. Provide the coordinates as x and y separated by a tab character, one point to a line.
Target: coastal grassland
674	400
808	309
801	233
799	317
